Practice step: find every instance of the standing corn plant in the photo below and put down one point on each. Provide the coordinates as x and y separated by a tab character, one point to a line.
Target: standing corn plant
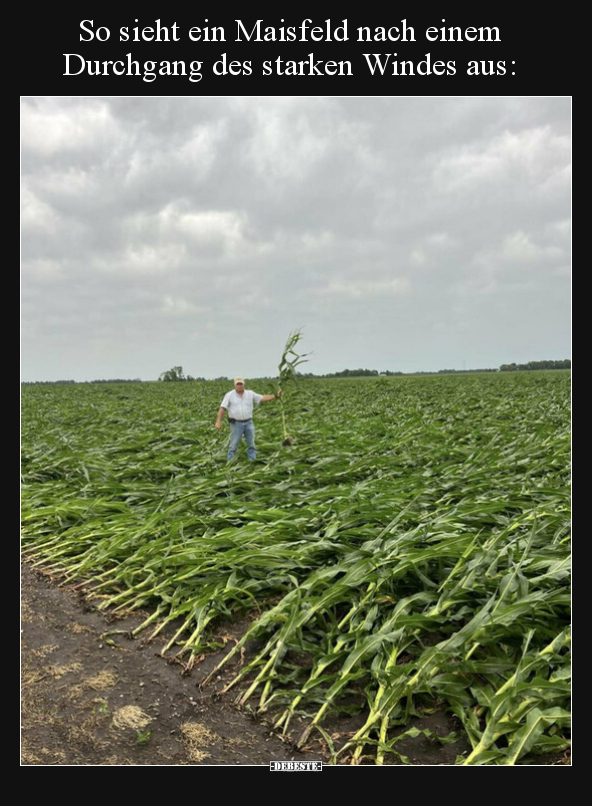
287	374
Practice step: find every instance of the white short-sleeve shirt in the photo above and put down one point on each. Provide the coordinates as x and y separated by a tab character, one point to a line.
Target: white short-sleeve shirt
240	407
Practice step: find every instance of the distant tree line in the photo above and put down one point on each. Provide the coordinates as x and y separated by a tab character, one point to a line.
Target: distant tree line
177	374
360	373
101	380
445	371
374	373
116	380
41	383
349	373
565	364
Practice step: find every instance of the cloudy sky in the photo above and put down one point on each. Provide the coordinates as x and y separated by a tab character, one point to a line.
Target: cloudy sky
401	233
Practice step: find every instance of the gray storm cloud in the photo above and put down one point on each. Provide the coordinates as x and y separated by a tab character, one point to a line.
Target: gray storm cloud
399	233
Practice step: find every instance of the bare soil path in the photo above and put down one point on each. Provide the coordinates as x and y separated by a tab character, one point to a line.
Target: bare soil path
92	699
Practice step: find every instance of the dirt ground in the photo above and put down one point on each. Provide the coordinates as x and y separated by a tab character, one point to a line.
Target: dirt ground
90	698
92	695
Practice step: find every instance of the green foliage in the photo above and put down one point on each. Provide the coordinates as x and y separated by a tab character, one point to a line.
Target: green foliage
174	374
287	374
290	359
412	548
101	707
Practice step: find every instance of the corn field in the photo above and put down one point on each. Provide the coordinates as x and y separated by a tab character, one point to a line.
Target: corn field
410	547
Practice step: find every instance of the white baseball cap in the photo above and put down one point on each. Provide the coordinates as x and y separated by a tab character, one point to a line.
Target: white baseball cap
239	380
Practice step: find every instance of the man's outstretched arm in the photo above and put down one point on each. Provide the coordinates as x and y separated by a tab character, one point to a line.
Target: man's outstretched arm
266	398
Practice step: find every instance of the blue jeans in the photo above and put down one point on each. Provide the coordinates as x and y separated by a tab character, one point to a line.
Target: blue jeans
236	433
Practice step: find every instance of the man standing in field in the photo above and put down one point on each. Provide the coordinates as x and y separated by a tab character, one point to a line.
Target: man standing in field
239	405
